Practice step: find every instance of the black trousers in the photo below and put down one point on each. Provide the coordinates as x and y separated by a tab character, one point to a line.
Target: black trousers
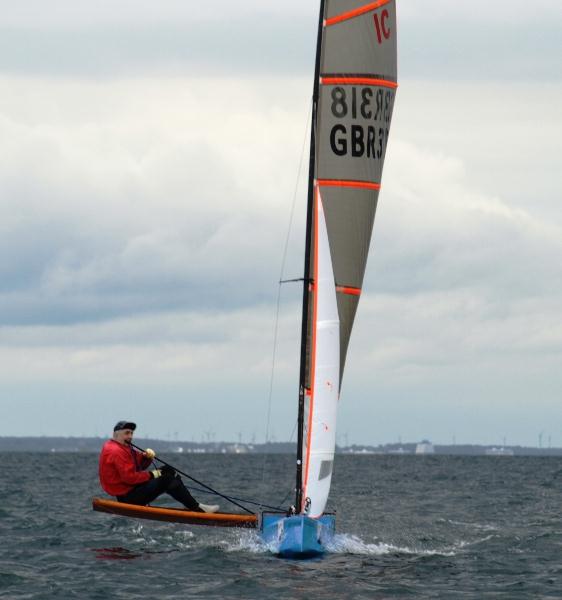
145	493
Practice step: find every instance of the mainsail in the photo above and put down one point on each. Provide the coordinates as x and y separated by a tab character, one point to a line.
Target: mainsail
354	89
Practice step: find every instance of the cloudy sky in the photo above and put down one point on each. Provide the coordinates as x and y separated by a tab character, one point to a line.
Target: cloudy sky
149	158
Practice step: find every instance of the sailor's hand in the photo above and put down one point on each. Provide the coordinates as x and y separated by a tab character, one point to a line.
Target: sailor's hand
149	453
155	473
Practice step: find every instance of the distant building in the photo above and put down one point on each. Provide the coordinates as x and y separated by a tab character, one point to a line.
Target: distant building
425	447
397	451
236	449
499	451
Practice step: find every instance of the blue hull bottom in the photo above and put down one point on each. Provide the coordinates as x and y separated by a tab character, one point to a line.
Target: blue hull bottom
297	536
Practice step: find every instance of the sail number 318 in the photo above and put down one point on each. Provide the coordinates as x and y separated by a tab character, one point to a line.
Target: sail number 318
360	104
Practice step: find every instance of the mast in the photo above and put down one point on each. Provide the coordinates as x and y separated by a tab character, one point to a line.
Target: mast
306	280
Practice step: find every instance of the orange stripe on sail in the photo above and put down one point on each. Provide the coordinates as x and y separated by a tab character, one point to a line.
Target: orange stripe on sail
313	351
358	81
352	291
369	185
356	12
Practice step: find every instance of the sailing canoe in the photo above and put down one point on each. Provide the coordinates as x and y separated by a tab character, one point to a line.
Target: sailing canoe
175	515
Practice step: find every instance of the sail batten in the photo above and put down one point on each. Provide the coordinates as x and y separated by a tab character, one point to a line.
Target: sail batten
357	79
357	12
350	183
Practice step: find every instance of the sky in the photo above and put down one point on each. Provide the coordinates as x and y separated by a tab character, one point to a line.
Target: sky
150	157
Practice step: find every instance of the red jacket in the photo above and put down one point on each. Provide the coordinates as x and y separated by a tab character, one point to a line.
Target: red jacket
121	468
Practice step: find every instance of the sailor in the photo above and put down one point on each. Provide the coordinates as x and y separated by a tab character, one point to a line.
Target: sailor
123	473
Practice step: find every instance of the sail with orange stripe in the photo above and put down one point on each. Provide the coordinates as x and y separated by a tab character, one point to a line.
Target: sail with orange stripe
354	90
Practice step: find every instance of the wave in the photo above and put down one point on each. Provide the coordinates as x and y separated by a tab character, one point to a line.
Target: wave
161	537
352	544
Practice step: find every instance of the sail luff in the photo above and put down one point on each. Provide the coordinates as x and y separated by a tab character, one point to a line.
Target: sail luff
313	286
324	372
306	282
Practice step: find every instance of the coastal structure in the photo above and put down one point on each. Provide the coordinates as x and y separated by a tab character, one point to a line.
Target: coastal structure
425	447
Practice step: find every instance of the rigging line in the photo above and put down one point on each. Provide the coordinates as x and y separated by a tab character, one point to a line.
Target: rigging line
301	161
232	501
214	493
253	502
282	270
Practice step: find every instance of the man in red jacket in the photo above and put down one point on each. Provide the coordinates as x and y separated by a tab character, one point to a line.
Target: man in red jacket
122	473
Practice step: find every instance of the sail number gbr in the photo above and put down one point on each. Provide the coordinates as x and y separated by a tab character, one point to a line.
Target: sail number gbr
364	119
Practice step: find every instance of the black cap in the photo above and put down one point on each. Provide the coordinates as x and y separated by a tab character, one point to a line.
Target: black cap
125	425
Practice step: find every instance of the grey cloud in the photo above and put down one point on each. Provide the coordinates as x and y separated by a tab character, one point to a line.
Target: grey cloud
505	260
189	50
443	42
502	255
109	214
477	50
101	283
71	14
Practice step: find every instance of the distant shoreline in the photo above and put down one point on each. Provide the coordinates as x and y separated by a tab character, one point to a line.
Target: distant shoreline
93	444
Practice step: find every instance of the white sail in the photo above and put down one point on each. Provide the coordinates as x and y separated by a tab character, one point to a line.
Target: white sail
320	426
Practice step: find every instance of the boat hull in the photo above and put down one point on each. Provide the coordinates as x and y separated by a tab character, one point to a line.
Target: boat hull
297	536
174	515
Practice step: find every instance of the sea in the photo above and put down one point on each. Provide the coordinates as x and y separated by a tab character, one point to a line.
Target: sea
407	527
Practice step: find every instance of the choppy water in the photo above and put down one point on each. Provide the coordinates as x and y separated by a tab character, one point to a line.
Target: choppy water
424	527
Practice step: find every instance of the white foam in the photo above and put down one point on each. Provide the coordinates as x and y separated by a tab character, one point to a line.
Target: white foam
161	534
251	542
477	526
344	543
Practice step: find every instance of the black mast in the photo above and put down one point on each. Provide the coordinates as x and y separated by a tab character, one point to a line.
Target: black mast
308	243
